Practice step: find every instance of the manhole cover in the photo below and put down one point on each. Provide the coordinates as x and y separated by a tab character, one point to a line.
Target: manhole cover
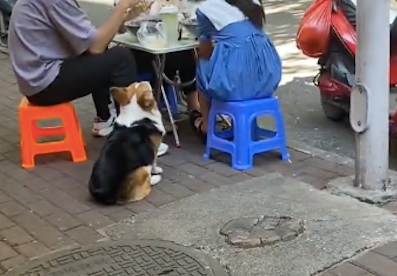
130	258
261	231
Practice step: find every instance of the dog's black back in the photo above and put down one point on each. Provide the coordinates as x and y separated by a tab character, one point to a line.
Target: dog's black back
125	150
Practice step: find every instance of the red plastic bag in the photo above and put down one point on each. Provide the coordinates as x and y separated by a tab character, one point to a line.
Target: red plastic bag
314	29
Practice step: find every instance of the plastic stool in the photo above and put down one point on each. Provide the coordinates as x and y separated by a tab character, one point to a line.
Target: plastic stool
73	142
245	138
169	91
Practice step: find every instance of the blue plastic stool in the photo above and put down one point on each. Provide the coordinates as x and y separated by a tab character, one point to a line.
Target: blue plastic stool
169	91
245	138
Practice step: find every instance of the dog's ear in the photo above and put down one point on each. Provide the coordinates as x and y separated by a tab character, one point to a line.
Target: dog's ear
147	102
120	95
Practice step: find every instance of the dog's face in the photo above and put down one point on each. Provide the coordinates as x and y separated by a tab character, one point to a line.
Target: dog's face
138	93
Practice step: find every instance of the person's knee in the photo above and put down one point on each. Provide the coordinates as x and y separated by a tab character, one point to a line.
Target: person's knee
124	69
122	55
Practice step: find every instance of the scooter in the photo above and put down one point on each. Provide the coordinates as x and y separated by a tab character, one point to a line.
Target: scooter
5	14
336	75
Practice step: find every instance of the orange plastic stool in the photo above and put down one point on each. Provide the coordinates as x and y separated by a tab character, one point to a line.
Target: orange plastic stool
28	116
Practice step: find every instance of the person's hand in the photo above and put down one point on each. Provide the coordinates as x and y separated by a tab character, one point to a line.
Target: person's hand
205	49
139	7
127	4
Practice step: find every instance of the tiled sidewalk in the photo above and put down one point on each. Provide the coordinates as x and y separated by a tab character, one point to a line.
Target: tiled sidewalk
48	208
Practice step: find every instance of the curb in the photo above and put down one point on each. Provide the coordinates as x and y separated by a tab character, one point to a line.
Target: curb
323	154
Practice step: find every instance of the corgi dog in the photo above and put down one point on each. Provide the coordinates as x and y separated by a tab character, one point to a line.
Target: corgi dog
126	168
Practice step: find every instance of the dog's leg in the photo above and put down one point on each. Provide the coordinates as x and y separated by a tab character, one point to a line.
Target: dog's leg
156	140
156	169
138	185
155	178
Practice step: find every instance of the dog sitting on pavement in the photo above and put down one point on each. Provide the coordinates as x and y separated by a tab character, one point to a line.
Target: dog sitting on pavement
127	167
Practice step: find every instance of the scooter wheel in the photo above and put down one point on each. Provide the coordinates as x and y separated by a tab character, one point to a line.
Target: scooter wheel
331	110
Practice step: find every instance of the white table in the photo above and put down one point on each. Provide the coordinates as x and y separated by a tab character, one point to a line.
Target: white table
159	63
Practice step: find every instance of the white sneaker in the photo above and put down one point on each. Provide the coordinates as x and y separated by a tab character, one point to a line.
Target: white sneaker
163	148
155	179
112	108
103	128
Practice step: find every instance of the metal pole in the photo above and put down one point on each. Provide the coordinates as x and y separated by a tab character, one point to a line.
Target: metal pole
372	72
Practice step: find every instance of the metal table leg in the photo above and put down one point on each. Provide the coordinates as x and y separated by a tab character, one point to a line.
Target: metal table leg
159	65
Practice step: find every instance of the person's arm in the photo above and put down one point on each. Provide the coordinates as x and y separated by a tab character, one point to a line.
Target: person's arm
72	22
108	30
205	29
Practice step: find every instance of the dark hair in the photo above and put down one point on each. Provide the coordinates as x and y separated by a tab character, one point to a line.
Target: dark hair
253	11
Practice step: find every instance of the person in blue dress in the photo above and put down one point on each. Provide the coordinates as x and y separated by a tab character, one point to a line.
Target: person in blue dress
237	60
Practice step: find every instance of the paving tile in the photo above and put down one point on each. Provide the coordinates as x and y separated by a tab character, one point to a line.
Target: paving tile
159	198
176	190
64	200
122	214
222	169
347	269
377	264
215	179
12	208
241	177
94	219
326	274
321	164
52	237
193	169
32	249
19	192
5	222
6	251
4	197
84	235
62	220
389	250
15	236
139	207
43	208
13	262
30	222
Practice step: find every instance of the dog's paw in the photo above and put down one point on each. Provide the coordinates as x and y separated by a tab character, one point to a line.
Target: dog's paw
157	170
155	179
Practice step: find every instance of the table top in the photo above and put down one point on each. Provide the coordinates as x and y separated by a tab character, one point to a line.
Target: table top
131	42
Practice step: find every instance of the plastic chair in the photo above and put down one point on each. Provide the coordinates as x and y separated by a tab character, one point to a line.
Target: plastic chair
73	142
245	138
169	91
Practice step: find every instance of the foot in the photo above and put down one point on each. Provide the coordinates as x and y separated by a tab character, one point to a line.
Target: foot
112	108
157	170
102	128
163	148
196	122
155	179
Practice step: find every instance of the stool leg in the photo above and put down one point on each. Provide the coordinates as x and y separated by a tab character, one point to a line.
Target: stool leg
242	158
27	154
211	130
282	135
74	137
254	130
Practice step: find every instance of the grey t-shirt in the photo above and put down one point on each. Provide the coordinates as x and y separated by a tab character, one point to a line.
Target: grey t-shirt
42	34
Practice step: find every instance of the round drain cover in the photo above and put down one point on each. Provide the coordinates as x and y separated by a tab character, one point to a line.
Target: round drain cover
128	258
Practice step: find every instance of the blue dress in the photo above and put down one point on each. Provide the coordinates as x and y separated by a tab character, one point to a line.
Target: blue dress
243	66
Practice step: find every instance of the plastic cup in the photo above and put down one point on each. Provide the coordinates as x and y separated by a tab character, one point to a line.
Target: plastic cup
169	16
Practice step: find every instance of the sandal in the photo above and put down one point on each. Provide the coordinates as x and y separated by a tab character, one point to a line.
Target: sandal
196	121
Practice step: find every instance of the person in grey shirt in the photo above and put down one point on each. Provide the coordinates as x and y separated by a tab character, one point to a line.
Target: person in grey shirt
58	55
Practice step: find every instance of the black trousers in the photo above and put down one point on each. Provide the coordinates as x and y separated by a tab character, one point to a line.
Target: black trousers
90	74
184	62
